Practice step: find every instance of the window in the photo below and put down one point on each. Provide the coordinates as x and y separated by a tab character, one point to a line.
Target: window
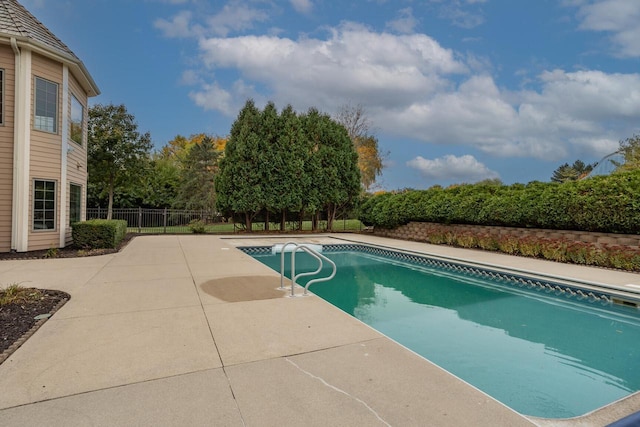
75	203
46	108
1	97
76	120
44	205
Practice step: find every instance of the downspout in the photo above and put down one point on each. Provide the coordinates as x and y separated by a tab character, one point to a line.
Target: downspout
14	199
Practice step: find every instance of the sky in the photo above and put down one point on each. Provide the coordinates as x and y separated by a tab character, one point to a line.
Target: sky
456	91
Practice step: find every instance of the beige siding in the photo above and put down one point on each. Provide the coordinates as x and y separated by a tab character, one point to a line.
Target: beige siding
7	61
46	151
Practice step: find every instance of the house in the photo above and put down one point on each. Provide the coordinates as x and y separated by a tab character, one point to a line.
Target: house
43	133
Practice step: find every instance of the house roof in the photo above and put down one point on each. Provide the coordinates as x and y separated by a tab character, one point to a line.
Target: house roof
19	23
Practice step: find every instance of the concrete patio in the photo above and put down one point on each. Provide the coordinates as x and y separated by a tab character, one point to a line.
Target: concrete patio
188	330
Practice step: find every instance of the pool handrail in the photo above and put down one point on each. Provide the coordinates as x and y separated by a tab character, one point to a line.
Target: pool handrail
294	276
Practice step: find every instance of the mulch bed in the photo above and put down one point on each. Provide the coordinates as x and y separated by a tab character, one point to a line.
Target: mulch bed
68	252
18	321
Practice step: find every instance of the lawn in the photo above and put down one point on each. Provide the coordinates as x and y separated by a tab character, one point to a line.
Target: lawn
226	227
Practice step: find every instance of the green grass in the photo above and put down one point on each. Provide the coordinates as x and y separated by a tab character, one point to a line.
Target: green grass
229	228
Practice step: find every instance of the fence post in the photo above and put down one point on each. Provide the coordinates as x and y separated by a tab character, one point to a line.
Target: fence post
164	220
139	220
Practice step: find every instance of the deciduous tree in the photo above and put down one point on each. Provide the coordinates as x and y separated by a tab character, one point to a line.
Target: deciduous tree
630	149
118	153
358	126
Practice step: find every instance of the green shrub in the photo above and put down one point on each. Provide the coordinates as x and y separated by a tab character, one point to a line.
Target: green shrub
436	235
98	233
529	246
466	240
197	226
605	203
487	242
554	250
509	244
623	257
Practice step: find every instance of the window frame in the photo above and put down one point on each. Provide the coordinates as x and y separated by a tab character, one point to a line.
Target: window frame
78	203
73	123
38	119
43	210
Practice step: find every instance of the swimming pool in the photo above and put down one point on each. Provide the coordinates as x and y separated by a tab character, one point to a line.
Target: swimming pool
543	348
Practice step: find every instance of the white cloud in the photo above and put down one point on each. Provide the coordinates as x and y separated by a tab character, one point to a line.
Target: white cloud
451	168
302	6
415	88
353	63
404	23
460	13
213	97
179	26
618	17
190	78
235	16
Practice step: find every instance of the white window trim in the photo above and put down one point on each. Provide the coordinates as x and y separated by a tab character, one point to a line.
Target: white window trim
80	186
35	95
55	207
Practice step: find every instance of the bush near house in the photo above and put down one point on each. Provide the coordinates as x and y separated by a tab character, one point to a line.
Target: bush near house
98	233
603	203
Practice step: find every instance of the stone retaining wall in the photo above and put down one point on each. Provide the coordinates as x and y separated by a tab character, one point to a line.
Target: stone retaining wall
418	231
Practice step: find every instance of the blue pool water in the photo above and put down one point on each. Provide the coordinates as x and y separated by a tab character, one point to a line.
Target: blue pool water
541	354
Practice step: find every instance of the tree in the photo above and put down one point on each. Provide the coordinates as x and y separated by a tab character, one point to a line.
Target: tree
289	153
239	183
286	163
571	173
332	166
196	189
358	126
630	149
118	154
179	146
160	185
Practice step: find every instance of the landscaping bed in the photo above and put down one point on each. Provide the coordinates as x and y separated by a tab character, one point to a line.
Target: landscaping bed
22	312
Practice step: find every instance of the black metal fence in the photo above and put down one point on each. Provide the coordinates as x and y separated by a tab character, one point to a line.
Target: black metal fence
172	221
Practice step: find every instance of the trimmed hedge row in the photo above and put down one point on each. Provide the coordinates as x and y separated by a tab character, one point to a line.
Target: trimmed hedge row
559	250
608	204
98	233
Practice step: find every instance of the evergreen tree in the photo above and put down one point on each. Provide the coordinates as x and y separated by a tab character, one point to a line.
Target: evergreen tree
238	184
571	173
197	189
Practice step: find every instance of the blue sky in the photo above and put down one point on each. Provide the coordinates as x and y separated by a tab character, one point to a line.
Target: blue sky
456	90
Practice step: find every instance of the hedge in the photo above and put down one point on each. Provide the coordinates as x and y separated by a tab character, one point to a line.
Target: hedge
98	233
603	203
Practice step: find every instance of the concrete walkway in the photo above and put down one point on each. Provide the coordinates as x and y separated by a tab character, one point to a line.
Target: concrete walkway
187	330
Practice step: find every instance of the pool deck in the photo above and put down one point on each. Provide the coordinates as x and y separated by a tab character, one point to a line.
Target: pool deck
188	331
